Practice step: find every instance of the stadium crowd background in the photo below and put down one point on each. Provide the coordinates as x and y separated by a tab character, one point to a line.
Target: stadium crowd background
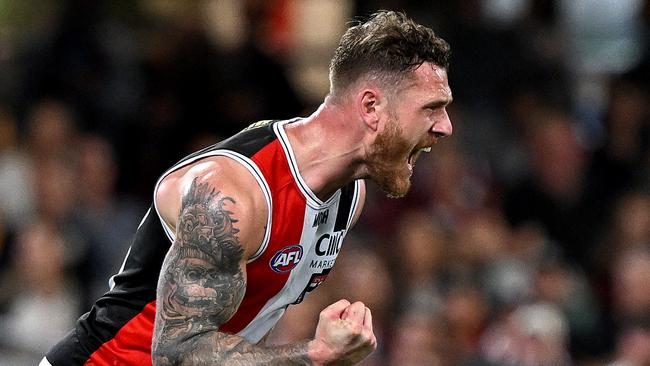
526	237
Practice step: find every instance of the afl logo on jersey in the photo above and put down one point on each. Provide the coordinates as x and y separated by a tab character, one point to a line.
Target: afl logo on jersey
286	259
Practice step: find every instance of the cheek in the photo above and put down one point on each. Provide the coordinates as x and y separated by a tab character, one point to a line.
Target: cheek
392	147
418	124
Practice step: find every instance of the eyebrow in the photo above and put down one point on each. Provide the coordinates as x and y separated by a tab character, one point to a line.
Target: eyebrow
439	103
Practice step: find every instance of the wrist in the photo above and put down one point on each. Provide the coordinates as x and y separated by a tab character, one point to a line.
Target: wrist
318	352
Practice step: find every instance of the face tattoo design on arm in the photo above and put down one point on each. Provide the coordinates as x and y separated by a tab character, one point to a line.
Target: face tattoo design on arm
203	283
201	287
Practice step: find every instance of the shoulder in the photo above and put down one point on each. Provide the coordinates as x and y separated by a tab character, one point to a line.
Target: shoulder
224	187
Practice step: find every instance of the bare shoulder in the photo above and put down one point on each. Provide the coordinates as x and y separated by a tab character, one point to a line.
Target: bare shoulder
224	185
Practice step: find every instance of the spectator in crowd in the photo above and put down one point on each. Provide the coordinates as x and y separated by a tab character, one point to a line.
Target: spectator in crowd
420	339
535	334
104	220
422	252
45	302
633	347
631	307
554	192
630	275
16	191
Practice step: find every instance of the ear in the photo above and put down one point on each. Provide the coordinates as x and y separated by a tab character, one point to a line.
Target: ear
369	105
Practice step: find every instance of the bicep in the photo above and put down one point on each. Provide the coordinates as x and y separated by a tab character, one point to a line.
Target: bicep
203	277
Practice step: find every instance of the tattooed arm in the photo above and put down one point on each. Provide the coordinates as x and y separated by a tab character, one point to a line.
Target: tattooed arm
203	279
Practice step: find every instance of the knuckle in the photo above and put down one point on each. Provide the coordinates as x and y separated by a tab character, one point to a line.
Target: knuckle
373	345
369	338
356	330
325	314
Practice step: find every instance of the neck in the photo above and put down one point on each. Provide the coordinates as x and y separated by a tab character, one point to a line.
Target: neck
329	147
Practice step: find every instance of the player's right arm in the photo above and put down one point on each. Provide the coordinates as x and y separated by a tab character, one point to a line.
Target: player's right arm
203	280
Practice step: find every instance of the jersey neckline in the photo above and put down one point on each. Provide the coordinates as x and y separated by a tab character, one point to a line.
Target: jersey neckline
309	195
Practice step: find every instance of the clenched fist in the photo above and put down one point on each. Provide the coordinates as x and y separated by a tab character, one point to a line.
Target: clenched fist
344	334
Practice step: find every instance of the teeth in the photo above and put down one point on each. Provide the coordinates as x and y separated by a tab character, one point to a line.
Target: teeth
426	149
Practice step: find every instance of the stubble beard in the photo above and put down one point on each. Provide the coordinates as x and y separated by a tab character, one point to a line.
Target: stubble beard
387	161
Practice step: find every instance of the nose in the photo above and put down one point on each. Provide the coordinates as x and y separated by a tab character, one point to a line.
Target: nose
442	127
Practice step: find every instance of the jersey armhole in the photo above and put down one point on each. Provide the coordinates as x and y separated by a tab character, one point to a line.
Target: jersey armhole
255	172
355	203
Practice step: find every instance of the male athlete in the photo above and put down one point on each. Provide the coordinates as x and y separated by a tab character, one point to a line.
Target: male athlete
244	228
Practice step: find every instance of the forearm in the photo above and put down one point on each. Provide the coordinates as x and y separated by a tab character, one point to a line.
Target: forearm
215	348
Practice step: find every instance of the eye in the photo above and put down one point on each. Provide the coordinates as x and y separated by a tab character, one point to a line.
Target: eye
437	111
431	112
194	274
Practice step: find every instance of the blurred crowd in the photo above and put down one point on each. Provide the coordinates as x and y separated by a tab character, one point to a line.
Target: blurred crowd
524	241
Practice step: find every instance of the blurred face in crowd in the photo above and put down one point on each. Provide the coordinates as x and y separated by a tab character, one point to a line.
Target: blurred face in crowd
40	257
422	243
631	273
419	340
415	118
558	158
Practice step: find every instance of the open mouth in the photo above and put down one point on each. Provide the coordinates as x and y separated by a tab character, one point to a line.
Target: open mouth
413	157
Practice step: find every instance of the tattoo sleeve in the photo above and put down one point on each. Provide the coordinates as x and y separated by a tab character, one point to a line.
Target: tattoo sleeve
201	286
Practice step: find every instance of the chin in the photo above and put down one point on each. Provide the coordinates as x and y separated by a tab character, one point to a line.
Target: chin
395	186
